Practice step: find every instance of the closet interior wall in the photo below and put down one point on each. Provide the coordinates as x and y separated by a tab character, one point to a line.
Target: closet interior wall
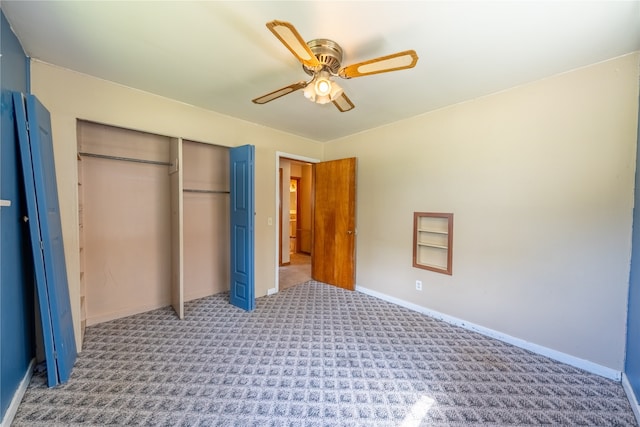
206	219
124	196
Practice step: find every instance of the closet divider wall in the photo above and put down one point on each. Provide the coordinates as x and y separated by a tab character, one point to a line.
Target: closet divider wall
154	221
177	222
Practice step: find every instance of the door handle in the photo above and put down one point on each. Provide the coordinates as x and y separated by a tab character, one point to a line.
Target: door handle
5	203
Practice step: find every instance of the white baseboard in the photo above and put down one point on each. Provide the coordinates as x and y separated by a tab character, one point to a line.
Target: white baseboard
17	396
586	365
272	291
633	399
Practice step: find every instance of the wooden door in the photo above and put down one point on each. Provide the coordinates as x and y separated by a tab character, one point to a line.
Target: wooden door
334	223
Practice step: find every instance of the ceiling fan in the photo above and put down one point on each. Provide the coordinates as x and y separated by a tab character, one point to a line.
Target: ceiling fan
322	59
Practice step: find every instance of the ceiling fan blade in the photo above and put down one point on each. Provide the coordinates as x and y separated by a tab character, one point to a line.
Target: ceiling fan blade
343	103
383	64
290	37
278	93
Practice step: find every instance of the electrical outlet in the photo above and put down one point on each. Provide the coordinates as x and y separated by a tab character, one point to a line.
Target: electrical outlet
418	285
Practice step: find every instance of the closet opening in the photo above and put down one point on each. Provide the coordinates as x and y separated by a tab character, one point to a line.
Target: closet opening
124	216
154	221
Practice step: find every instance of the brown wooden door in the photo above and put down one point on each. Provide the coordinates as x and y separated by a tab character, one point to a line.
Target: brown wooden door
334	224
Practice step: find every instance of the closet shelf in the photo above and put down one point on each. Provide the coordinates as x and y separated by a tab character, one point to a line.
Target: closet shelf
194	190
433	266
124	159
426	230
431	245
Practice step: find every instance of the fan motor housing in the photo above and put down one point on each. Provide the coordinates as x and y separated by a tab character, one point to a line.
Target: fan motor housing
329	54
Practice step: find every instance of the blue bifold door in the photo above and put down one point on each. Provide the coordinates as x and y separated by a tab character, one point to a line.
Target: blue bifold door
242	292
33	125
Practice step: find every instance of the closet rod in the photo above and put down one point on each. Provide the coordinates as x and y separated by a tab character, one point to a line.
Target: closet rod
126	159
189	190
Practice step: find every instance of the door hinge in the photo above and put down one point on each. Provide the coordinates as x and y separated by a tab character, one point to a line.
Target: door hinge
41	245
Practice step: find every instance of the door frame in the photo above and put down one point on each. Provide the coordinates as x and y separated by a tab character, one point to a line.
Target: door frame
278	234
279	247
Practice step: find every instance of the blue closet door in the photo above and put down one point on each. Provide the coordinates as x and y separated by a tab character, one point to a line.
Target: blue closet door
36	150
242	288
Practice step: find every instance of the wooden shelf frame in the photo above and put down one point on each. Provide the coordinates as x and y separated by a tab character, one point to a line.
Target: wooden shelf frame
433	241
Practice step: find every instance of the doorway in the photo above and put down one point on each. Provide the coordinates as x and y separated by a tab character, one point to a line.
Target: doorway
331	220
294	195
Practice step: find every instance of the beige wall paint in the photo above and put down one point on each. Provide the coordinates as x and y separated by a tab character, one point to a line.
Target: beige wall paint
69	95
540	179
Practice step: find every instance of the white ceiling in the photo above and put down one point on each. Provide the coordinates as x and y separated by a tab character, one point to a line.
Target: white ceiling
219	55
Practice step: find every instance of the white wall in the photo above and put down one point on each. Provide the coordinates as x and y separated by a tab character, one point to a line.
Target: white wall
540	180
69	95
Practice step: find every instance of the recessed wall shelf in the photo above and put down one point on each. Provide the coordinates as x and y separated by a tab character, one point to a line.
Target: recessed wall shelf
433	241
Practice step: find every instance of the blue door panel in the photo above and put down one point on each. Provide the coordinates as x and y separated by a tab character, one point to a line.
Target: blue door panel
240	186
34	232
632	364
241	247
240	291
36	148
51	229
242	287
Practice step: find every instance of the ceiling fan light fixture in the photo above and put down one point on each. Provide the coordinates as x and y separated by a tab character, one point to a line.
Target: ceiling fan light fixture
322	83
323	99
336	91
309	92
321	89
